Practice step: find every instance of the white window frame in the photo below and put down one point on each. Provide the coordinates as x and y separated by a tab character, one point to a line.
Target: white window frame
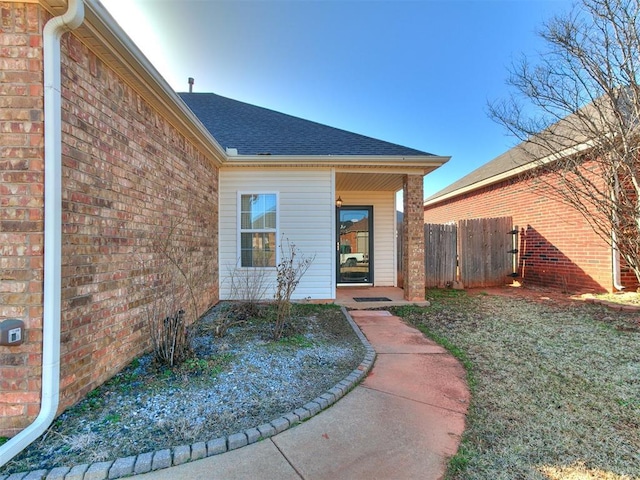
240	230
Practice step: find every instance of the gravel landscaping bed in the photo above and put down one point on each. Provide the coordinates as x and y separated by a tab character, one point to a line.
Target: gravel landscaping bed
555	385
233	383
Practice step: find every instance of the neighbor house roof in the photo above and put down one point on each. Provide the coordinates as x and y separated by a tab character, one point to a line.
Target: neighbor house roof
500	168
253	130
574	133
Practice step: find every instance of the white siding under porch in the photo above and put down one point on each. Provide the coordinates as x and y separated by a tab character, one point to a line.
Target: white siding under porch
384	235
306	213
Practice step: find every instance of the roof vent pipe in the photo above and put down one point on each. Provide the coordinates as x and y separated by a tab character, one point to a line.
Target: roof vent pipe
191	82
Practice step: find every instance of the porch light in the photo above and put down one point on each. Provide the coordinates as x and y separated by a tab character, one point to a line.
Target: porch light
339	202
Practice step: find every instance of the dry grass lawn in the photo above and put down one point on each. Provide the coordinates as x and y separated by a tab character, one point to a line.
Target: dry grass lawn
555	385
623	298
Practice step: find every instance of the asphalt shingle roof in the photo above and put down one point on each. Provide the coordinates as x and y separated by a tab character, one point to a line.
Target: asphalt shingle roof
505	162
254	130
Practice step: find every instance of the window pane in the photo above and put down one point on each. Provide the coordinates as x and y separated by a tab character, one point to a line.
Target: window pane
269	211
257	221
269	203
245	211
270	220
246	252
258	212
258	249
245	221
245	203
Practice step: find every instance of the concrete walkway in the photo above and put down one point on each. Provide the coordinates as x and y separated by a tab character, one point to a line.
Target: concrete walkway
402	422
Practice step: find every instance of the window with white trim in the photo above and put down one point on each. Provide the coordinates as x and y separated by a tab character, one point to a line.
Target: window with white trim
258	224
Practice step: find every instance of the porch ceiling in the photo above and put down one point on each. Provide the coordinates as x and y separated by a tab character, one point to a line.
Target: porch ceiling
361	181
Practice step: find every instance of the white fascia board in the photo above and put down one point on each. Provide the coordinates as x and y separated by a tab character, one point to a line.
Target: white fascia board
428	162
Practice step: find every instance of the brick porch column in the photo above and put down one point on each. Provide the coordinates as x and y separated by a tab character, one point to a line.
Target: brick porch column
413	238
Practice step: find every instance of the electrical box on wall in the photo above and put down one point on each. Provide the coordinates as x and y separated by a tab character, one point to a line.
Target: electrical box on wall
11	332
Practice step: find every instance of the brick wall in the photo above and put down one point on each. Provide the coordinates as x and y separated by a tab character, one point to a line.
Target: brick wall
129	178
21	207
557	247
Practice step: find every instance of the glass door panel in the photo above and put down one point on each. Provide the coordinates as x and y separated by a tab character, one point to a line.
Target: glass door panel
355	240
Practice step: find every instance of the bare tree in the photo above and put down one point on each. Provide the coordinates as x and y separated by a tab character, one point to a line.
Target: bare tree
576	112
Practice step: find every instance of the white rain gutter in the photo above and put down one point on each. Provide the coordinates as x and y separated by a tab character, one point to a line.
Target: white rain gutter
50	396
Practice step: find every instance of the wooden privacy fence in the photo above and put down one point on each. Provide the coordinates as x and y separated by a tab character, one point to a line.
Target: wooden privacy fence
477	252
441	253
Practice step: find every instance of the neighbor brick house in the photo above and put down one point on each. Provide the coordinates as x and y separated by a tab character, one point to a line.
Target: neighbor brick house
100	158
557	247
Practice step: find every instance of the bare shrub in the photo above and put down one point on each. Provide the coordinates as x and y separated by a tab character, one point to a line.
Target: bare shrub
228	316
170	339
167	327
248	286
292	267
172	285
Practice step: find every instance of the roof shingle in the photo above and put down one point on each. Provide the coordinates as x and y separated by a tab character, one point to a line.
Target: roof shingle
254	130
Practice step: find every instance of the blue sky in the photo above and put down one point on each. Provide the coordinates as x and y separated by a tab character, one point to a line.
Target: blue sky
419	73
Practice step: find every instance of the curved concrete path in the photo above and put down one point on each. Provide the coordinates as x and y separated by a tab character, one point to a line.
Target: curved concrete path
402	422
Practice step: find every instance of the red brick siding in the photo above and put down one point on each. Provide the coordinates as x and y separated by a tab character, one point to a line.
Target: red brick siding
557	247
21	207
128	175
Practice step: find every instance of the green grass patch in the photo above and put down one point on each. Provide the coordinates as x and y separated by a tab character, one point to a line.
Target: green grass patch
459	462
3	440
296	341
210	366
113	418
444	293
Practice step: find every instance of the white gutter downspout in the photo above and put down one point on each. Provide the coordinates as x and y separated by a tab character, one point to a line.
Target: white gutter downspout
615	260
50	396
615	253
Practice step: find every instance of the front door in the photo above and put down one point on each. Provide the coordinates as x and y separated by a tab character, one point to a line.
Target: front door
354	246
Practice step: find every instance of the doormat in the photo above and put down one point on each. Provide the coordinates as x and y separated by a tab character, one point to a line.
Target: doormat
372	299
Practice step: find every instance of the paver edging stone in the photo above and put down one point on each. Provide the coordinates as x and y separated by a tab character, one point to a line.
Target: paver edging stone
216	446
165	458
198	451
37	475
